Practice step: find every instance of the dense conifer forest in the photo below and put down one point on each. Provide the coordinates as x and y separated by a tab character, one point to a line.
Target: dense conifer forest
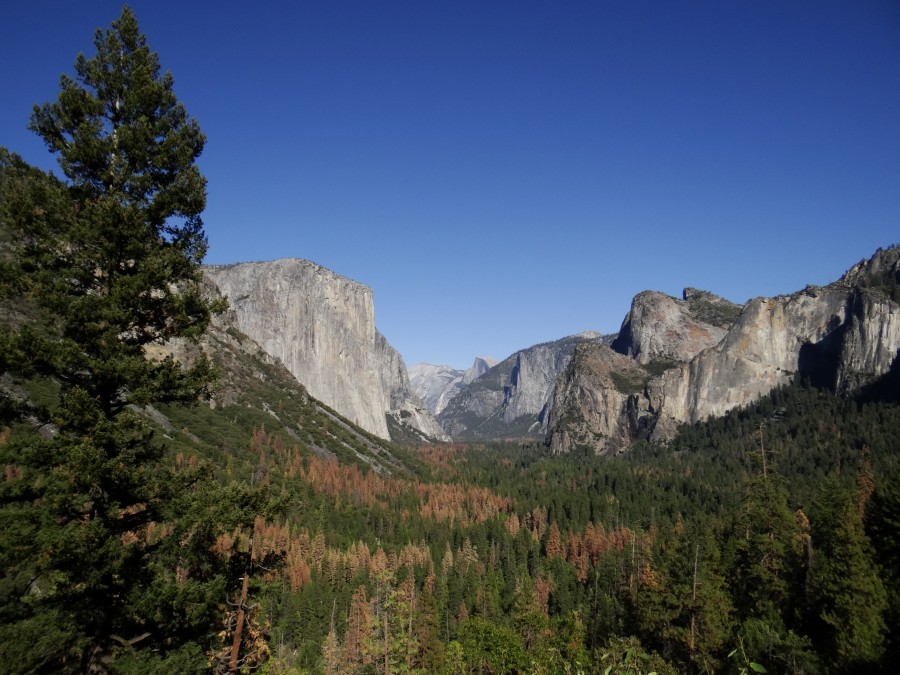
693	557
764	541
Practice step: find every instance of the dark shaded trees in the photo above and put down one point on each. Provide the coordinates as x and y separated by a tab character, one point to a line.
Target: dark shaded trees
882	519
848	597
98	558
683	606
769	556
769	567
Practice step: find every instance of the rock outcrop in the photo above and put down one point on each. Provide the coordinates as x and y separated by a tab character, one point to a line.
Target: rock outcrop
837	337
321	326
660	328
249	379
404	406
511	398
437	385
593	401
840	337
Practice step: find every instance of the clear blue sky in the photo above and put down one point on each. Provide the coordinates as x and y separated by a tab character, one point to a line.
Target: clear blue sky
503	173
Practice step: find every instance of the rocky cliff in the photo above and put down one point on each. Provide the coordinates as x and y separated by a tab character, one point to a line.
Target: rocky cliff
659	328
405	409
321	326
840	337
252	389
592	404
437	385
511	398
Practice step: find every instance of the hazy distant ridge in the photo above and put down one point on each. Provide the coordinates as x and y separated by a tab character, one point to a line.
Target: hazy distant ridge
437	385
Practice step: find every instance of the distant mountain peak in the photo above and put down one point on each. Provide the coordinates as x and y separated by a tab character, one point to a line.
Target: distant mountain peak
436	385
510	399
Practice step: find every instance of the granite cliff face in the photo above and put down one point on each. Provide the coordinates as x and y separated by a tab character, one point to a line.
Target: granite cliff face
591	405
437	385
661	328
840	337
674	361
597	402
511	398
252	385
405	408
321	326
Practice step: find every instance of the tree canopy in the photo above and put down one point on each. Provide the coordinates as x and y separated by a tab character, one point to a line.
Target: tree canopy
104	543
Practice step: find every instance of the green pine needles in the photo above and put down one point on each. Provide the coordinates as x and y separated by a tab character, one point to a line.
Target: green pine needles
105	548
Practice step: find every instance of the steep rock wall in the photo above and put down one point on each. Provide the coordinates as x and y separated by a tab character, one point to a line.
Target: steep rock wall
321	326
405	406
511	398
837	338
588	407
531	380
662	328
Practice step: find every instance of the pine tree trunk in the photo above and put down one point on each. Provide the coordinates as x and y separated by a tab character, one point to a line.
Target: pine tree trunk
239	628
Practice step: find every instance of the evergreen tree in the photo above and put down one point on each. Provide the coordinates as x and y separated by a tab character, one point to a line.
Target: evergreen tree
769	571
769	555
97	556
684	606
491	648
848	595
431	650
883	528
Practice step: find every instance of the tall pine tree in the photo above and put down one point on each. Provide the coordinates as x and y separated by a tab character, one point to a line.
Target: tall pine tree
109	260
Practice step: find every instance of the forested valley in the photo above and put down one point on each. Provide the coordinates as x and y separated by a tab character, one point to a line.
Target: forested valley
194	510
767	539
763	540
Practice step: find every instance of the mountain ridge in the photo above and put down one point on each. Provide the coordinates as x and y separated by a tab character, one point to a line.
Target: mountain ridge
436	385
510	399
841	337
687	358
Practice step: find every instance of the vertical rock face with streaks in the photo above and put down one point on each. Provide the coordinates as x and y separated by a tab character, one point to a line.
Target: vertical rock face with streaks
700	358
531	380
592	400
405	407
322	327
839	337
